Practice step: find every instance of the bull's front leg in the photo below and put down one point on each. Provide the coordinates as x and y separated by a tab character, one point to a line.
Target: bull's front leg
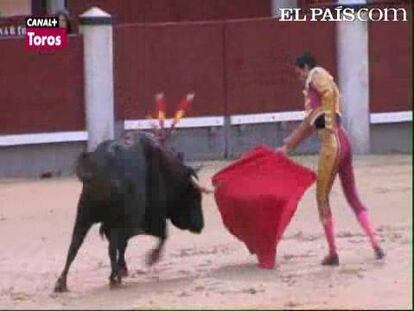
154	255
122	245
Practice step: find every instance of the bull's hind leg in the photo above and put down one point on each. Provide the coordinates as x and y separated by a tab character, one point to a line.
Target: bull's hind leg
79	232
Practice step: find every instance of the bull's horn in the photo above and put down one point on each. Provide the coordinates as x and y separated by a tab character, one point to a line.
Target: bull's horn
202	189
194	181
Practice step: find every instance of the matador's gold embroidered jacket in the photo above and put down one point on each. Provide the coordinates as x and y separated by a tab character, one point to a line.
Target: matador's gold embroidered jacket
321	97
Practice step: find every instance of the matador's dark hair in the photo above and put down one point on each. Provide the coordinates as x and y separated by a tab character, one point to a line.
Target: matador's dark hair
65	13
306	59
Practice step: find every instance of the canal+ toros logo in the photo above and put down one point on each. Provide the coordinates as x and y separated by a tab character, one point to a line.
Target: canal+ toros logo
44	34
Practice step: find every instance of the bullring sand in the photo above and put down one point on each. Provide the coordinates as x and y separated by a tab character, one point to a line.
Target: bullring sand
212	270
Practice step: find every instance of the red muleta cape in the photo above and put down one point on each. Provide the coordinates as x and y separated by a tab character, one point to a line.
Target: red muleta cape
257	196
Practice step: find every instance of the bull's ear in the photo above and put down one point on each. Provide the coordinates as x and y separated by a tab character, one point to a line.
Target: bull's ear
84	166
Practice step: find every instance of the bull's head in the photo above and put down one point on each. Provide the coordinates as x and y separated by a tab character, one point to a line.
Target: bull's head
189	215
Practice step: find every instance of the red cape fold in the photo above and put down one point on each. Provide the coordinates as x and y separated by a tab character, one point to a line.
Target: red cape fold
257	196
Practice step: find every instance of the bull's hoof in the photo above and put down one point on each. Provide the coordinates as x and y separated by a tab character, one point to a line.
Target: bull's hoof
115	280
114	285
60	286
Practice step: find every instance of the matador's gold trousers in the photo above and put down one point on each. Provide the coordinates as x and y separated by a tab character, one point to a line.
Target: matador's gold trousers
335	156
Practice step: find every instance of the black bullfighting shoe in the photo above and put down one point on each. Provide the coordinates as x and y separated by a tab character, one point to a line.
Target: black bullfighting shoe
379	252
330	260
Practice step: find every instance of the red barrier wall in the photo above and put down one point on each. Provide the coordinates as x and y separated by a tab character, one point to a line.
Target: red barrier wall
225	64
174	59
125	11
129	72
41	92
235	67
260	57
390	62
183	58
246	8
180	10
150	11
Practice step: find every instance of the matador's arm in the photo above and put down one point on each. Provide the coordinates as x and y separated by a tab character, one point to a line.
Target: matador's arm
303	131
321	82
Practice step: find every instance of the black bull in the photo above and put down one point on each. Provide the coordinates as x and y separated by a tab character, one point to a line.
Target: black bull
132	187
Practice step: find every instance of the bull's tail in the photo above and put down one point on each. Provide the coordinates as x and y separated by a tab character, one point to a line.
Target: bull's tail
102	231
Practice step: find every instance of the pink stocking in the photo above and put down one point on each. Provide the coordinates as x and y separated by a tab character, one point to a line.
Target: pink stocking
330	234
366	225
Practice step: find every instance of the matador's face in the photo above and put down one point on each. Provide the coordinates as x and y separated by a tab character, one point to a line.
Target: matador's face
302	73
62	21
